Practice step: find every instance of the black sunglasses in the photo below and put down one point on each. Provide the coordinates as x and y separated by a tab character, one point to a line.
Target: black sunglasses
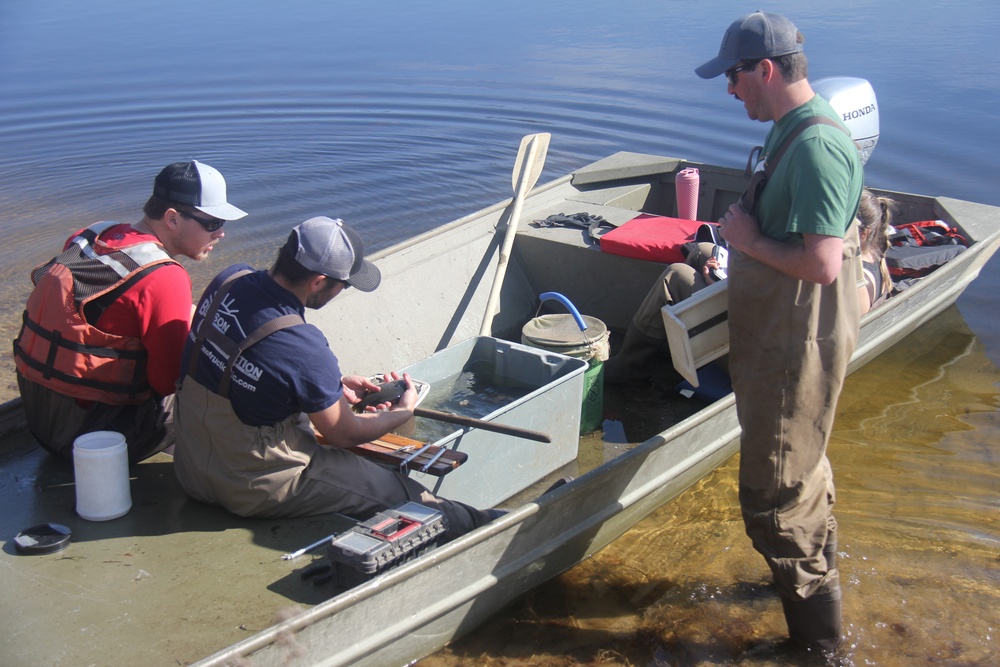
745	67
346	284
210	224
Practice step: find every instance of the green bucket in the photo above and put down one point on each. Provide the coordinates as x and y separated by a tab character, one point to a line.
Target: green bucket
582	337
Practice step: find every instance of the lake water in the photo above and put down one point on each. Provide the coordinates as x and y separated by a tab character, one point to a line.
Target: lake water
399	117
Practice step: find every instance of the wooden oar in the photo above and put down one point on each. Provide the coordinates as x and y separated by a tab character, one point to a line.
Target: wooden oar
481	424
527	168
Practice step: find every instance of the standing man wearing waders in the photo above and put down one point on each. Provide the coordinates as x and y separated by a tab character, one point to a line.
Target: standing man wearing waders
104	327
793	316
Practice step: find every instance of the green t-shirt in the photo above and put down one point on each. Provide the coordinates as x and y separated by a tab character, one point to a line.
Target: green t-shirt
816	186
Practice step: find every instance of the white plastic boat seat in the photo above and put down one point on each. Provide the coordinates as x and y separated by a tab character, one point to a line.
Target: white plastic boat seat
698	329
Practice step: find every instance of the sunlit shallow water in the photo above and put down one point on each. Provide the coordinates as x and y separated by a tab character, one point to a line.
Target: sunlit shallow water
919	552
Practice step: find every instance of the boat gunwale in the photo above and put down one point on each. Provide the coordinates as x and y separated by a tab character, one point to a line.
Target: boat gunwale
468	219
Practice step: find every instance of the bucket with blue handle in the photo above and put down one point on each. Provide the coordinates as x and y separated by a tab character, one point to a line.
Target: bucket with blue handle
580	336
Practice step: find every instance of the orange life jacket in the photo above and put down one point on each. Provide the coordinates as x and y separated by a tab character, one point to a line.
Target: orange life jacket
59	345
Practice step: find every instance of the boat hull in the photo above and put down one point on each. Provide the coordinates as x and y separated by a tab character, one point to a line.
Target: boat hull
199	582
458	587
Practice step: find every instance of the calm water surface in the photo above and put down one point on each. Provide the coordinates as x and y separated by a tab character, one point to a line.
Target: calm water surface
400	117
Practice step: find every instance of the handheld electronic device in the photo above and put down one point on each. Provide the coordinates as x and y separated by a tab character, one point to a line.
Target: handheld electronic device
722	256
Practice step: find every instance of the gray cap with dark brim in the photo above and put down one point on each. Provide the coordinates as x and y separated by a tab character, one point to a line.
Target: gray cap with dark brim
754	37
329	247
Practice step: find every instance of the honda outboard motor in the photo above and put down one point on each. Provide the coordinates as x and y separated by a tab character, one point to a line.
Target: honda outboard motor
854	100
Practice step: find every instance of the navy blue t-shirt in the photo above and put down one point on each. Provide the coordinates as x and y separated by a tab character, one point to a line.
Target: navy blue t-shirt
288	372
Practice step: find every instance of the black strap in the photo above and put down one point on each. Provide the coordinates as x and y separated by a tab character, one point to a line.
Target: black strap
716	319
93	310
760	177
56	341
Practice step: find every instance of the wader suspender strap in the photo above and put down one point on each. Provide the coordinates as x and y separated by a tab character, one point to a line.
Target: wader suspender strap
261	332
759	178
213	308
234	350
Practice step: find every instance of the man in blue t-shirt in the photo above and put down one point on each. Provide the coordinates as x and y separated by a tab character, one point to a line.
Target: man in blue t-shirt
260	383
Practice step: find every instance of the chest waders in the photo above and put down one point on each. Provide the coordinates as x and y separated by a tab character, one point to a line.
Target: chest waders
790	342
218	459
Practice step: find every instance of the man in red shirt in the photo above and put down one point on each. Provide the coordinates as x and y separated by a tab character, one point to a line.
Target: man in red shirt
105	324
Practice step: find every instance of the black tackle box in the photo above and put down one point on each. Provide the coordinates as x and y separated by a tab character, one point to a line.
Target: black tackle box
387	539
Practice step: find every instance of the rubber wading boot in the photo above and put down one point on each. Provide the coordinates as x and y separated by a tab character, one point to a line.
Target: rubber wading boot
633	359
815	621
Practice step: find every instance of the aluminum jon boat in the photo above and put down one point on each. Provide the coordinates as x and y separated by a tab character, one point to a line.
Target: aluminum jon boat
177	582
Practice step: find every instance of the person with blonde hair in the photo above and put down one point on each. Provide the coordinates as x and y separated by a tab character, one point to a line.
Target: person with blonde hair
874	218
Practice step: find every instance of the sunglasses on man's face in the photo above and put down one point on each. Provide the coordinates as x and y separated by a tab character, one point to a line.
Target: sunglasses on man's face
210	224
731	74
335	281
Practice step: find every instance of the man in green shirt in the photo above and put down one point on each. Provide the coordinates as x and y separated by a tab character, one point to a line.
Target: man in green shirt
793	316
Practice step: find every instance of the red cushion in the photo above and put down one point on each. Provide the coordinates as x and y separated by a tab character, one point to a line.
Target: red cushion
651	237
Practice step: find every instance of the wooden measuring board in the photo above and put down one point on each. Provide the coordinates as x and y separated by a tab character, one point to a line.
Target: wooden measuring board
392	449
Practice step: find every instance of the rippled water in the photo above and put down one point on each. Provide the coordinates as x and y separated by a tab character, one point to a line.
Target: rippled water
399	117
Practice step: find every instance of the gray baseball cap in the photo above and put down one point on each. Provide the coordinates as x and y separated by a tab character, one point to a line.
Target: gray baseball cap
754	37
330	247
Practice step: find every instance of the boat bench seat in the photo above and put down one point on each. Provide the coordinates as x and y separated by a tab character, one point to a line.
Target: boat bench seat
697	329
565	259
633	197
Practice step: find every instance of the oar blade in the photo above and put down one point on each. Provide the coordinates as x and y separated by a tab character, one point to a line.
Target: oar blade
530	160
533	169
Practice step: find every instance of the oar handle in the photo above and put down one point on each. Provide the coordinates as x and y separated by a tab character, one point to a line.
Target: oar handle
481	424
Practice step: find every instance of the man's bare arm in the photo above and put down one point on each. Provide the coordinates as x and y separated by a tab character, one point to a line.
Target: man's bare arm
817	259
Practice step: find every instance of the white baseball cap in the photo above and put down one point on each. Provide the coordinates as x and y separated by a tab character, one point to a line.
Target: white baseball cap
197	185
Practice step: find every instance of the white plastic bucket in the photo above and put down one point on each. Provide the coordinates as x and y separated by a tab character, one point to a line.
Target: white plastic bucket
100	463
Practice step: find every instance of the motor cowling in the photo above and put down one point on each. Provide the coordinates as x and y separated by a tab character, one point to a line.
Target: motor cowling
854	99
